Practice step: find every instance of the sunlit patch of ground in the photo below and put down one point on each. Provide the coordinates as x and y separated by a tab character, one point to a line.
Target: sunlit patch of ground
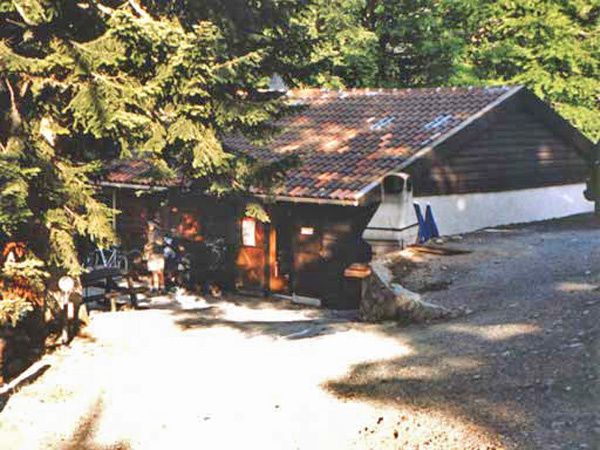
495	332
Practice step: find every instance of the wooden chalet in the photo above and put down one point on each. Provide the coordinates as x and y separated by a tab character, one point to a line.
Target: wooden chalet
480	156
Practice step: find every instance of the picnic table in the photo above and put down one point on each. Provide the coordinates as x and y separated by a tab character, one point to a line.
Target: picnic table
110	280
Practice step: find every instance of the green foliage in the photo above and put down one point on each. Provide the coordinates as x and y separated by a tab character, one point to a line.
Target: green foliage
14	309
345	51
256	211
21	285
84	82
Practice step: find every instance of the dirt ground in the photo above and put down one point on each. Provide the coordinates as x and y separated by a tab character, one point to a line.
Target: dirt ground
519	371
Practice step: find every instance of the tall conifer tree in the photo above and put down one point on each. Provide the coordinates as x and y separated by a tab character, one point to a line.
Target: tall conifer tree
87	81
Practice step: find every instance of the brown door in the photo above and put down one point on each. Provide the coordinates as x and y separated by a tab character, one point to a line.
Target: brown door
308	267
251	257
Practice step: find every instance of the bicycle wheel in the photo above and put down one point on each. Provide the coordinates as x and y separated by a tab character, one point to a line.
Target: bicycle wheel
122	263
88	262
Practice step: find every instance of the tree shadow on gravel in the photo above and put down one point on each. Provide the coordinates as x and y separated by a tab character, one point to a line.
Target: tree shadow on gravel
288	329
29	379
535	389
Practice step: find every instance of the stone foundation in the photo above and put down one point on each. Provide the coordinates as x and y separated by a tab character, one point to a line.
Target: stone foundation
385	300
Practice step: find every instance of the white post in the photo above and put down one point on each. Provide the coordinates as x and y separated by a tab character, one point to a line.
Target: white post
114	207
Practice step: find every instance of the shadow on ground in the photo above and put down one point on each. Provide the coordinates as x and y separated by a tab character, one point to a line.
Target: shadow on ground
238	314
504	384
32	377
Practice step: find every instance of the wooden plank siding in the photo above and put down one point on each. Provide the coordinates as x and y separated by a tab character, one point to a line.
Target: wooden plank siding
319	260
512	149
315	263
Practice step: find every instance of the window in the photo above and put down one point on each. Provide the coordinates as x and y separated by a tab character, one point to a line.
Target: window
382	123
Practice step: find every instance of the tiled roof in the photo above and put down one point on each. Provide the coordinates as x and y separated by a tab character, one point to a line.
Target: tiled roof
346	140
134	172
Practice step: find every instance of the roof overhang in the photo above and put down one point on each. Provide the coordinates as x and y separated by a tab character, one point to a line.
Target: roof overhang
137	187
310	200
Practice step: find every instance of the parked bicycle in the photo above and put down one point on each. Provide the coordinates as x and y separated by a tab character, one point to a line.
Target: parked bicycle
104	258
217	254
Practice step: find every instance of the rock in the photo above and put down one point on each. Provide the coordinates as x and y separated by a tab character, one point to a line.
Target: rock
385	300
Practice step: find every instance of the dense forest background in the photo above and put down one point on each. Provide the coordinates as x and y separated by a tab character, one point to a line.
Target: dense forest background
551	46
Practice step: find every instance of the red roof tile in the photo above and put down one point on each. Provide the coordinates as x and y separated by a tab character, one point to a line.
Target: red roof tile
134	172
346	140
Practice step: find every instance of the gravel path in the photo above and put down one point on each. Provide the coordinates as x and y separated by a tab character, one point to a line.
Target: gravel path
520	371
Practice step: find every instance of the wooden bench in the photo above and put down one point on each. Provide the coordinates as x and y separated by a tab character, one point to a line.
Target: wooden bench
106	279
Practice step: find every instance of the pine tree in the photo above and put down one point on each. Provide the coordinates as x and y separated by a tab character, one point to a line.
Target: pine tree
83	82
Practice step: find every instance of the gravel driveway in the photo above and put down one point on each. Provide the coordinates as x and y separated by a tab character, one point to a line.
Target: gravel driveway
519	371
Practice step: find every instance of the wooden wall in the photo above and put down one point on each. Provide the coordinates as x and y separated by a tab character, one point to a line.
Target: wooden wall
315	262
319	260
135	211
509	149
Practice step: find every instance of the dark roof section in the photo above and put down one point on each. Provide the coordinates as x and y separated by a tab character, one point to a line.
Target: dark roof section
348	140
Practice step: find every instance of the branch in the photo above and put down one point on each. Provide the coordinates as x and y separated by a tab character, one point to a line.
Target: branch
103	9
21	12
24	88
139	10
14	111
14	22
70	212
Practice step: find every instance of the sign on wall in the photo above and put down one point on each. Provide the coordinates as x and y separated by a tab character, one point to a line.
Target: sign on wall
249	232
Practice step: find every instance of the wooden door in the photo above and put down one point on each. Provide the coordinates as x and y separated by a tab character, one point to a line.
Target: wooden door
308	267
251	258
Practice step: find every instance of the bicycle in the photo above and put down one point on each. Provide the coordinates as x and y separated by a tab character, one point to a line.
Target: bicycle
107	258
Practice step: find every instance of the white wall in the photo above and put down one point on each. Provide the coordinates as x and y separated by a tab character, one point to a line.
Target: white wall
469	212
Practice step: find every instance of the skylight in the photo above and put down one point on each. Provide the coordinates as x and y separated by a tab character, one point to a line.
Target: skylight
439	121
382	123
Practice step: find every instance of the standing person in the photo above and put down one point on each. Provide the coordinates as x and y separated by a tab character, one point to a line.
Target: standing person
155	257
